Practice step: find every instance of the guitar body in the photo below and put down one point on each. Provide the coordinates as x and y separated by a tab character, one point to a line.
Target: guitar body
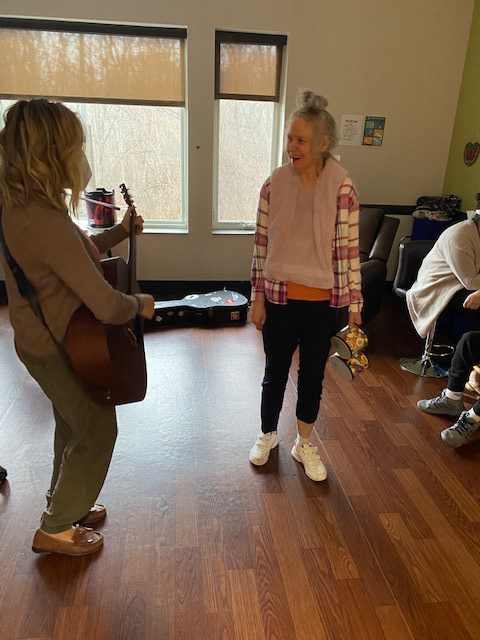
116	272
109	360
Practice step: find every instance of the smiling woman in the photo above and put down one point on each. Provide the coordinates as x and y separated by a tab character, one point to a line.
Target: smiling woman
305	265
309	134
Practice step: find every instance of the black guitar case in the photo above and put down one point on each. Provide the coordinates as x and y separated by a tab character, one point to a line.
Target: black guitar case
209	309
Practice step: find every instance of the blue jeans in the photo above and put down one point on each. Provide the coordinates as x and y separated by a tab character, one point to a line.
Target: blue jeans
309	325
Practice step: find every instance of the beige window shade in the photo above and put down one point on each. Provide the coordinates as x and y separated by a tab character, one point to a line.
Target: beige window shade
247	67
96	67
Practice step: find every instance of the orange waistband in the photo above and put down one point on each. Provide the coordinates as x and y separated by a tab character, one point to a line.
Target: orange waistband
302	292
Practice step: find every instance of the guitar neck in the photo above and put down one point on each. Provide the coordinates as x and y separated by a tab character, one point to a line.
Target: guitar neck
132	257
132	245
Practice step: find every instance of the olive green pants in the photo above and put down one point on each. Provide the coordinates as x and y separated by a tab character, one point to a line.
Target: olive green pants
85	435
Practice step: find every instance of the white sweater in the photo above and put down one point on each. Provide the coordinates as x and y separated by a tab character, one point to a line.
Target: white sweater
452	264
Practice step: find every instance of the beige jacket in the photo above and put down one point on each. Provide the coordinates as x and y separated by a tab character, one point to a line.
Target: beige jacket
452	264
58	259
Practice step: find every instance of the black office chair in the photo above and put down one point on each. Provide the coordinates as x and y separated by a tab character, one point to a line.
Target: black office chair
410	257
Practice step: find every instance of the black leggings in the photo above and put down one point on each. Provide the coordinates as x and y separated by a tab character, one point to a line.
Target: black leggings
309	325
467	354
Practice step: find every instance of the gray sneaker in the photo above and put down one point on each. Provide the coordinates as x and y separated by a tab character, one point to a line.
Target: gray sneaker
457	434
442	404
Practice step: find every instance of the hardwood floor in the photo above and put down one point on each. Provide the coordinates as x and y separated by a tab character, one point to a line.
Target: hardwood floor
202	546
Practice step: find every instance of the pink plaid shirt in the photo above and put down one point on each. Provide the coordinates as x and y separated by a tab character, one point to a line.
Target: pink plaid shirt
347	290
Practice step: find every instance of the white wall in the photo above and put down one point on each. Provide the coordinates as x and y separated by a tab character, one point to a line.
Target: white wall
402	60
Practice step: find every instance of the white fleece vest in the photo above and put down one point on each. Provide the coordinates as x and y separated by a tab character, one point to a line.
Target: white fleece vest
285	259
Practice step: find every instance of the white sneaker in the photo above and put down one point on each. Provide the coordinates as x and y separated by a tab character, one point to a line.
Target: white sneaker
308	456
264	443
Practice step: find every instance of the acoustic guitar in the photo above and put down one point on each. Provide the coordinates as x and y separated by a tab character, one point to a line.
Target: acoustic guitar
109	360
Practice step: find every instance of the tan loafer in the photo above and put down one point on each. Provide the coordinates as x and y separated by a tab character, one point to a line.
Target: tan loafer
84	542
96	513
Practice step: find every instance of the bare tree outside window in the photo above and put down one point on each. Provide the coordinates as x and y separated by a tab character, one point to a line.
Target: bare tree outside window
138	145
248	90
244	157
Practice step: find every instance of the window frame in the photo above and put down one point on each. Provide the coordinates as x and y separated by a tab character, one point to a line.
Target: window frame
110	28
278	113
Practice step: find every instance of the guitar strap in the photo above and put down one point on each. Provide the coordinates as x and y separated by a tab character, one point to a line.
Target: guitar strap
27	289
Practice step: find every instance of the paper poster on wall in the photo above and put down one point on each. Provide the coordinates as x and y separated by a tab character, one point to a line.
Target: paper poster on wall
373	132
351	130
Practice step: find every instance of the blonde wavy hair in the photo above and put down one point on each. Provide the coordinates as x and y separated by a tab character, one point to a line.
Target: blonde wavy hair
41	155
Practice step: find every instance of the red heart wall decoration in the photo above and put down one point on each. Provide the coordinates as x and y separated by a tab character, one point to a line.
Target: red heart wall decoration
470	153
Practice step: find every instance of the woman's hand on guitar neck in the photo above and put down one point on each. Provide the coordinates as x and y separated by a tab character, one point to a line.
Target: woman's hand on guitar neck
147	308
137	222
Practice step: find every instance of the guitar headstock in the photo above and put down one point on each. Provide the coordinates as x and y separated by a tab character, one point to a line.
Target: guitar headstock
126	195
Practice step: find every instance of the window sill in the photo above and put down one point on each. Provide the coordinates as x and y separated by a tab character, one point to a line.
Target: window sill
153	230
233	232
83	224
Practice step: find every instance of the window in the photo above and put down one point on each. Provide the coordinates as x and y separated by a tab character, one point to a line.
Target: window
128	86
247	92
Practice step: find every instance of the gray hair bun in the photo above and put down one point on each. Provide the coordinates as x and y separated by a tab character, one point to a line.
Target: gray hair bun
311	101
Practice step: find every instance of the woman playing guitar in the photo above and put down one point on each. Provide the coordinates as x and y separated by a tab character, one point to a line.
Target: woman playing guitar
41	148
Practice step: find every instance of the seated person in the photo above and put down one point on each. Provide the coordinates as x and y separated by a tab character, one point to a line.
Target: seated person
452	266
449	402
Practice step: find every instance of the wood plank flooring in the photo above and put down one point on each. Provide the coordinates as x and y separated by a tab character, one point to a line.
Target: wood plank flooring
202	546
